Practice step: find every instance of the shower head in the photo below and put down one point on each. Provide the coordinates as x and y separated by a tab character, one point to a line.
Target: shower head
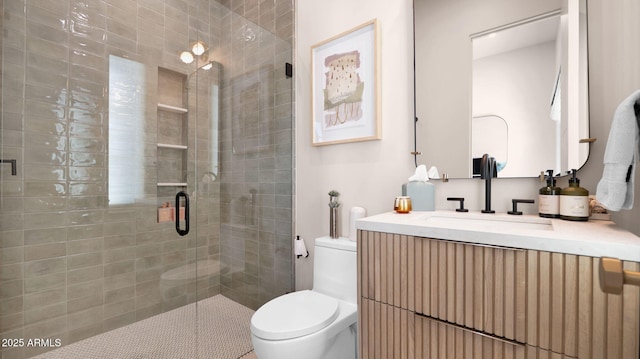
206	66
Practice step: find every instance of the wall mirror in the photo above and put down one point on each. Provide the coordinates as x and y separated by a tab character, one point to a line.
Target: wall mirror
509	79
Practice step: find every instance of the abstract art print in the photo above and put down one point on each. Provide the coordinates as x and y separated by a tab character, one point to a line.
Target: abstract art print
345	87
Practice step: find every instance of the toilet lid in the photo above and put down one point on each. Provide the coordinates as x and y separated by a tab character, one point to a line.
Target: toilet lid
294	315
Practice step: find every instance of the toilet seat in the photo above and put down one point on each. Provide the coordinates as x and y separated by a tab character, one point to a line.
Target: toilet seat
294	315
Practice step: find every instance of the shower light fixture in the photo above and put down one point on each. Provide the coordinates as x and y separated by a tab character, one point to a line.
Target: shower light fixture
197	49
186	57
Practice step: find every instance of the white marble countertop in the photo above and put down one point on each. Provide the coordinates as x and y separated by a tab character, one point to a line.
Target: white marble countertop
592	238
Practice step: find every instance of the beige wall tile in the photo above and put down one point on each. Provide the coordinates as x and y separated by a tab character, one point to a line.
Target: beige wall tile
119	268
43	236
11	272
45	266
45	312
85	274
54	328
84	246
84	289
39	299
44	282
83	303
84	260
11	305
85	318
11	321
42	251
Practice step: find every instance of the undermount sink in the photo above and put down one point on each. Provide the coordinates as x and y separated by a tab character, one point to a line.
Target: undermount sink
489	221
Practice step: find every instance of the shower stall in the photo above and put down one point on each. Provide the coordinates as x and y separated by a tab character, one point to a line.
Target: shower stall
146	164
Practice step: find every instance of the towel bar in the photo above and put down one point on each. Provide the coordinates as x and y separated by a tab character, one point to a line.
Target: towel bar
613	277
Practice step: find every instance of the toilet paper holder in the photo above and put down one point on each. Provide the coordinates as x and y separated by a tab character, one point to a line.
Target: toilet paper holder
300	248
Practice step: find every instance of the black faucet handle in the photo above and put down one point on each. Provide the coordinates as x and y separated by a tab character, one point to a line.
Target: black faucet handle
515	202
461	200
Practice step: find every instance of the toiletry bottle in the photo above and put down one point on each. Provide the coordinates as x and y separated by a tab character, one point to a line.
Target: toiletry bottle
574	201
549	198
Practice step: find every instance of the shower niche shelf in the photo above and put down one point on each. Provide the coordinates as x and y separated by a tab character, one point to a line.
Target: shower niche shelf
170	108
172	144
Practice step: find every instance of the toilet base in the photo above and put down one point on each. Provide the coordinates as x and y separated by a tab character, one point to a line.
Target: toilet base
339	340
341	346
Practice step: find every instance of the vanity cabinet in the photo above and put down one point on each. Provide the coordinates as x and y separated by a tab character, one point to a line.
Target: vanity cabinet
432	298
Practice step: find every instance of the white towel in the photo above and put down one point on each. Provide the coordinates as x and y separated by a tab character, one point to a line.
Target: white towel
299	248
615	189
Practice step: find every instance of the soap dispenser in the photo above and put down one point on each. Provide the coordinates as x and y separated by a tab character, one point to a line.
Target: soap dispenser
574	201
549	198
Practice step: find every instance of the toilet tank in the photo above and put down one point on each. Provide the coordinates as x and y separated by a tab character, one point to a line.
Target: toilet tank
335	268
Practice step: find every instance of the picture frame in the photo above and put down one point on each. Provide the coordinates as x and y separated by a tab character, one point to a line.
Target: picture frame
345	83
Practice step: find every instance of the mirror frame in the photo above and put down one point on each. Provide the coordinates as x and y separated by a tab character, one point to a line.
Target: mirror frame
581	10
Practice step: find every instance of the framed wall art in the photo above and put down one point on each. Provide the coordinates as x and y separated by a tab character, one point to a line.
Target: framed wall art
345	84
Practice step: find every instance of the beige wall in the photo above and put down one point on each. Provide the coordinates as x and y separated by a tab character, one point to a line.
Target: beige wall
369	174
614	32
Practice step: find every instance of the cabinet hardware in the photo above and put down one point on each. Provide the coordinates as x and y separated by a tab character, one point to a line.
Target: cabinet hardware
512	249
613	277
466	329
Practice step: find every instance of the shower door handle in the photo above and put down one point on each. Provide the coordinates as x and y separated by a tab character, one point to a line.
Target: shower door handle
182	232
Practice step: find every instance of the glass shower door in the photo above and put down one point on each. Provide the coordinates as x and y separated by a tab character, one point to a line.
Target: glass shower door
85	250
101	125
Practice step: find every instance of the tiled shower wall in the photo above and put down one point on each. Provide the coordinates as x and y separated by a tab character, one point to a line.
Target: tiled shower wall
257	151
71	265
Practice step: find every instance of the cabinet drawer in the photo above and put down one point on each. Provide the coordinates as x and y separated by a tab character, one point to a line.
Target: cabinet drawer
386	268
393	333
550	301
386	331
438	340
478	287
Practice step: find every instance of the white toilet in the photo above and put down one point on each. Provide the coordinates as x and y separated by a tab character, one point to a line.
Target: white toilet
314	324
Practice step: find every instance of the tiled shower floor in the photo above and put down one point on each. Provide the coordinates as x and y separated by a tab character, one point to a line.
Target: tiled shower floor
222	332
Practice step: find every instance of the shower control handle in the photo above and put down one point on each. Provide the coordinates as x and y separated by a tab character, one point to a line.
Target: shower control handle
182	232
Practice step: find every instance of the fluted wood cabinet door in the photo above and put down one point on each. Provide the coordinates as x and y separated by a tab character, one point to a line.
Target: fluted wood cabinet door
477	287
401	334
416	290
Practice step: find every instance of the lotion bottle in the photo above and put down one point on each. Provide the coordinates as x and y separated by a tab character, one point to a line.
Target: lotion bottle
549	198
574	201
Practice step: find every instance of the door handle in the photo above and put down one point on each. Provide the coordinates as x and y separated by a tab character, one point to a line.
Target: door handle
182	232
613	277
14	166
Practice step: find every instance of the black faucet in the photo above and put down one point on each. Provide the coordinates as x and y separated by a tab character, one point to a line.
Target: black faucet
487	171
